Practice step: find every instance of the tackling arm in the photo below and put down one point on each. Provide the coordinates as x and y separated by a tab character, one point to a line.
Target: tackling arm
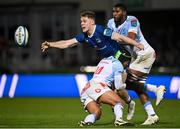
131	35
120	38
118	82
120	88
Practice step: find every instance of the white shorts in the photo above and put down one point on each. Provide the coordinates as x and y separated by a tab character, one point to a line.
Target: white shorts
144	60
92	91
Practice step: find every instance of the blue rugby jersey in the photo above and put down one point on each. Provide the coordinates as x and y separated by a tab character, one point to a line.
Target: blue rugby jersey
100	40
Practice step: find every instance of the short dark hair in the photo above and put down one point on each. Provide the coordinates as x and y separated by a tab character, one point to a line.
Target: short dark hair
89	14
121	6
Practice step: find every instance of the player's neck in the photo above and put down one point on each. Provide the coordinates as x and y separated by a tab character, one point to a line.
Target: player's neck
91	30
120	21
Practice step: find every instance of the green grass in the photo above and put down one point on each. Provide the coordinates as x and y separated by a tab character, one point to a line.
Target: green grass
65	113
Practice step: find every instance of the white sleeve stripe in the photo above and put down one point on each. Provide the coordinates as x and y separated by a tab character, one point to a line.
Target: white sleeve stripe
133	30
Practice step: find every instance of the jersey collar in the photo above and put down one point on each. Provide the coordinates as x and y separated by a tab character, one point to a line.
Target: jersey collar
120	24
92	32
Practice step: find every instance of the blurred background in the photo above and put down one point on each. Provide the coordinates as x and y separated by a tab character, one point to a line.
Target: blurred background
30	77
26	71
59	19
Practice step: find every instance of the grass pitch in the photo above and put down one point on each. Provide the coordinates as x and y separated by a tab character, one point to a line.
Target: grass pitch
67	112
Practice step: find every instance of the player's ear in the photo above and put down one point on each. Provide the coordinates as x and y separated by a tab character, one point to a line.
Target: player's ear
92	21
124	13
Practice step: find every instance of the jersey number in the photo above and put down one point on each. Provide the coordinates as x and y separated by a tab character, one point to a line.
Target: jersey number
98	70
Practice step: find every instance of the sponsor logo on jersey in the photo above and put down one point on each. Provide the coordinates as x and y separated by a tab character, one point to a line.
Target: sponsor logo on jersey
134	22
98	40
97	90
107	32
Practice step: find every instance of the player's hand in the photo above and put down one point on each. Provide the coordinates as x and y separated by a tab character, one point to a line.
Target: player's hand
140	46
45	45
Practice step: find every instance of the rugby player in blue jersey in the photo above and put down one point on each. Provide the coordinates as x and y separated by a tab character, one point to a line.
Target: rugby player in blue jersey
104	40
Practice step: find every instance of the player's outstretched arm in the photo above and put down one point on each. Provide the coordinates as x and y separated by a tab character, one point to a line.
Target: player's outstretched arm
62	44
121	38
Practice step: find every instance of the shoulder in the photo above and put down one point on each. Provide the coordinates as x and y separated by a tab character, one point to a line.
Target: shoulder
133	20
114	61
130	17
110	21
80	37
103	30
117	66
100	28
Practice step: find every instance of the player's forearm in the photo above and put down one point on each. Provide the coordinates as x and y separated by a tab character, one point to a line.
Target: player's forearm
129	41
124	39
118	82
59	44
132	42
121	38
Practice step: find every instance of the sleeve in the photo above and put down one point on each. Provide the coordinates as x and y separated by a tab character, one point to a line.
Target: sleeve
80	37
134	25
110	24
107	32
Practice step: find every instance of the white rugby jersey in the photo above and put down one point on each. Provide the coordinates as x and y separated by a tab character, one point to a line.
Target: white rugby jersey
107	69
131	24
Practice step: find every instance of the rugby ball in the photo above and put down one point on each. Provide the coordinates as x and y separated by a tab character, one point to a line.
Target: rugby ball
21	36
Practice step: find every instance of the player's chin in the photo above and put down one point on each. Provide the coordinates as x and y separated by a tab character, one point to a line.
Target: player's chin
84	30
117	19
